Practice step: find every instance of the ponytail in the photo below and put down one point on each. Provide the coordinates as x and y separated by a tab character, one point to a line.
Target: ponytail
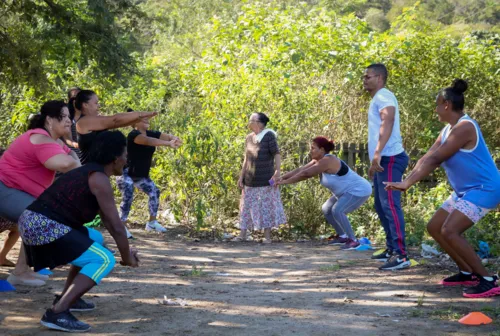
52	109
37	121
324	143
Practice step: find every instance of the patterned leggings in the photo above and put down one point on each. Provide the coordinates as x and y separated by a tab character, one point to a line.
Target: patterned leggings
126	186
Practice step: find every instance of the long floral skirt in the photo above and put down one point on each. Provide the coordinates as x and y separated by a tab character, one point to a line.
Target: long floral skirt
261	208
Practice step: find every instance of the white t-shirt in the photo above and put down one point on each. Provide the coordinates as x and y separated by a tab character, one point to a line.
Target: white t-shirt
382	99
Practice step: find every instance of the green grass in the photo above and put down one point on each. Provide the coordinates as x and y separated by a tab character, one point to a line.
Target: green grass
195	272
330	268
446	314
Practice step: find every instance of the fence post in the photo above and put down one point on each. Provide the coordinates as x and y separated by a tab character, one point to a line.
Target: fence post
351	155
345	152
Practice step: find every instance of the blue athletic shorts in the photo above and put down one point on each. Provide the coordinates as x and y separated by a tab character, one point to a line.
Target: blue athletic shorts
96	262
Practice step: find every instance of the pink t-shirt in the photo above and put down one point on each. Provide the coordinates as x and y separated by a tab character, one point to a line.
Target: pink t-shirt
21	165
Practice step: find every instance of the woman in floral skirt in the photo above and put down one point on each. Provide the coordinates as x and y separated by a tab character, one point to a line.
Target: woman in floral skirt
260	205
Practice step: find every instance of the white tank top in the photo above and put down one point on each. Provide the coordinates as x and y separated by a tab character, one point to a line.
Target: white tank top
350	183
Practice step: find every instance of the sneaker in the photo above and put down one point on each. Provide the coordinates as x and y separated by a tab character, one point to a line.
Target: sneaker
350	245
63	321
338	241
395	262
25	281
38	276
155	226
80	304
484	289
382	256
460	279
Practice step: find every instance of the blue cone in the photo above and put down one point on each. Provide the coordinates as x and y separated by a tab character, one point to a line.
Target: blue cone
5	286
364	241
363	247
45	272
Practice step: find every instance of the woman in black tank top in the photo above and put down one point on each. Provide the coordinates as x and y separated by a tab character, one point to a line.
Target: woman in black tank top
90	123
53	231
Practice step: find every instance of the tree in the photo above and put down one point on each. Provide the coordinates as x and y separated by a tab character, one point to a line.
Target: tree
43	37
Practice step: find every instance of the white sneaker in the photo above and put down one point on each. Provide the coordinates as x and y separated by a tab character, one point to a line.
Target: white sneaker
39	276
25	281
155	226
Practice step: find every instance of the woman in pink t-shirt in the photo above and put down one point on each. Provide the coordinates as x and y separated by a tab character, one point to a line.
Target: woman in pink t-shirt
28	167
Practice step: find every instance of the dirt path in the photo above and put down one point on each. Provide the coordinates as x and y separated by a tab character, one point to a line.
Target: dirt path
254	289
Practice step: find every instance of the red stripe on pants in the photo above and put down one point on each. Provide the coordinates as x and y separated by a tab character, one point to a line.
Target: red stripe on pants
393	208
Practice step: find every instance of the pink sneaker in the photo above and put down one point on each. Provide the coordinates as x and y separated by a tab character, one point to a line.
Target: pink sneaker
350	245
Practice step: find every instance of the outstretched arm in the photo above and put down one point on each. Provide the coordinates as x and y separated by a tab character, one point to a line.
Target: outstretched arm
297	170
316	168
145	140
431	151
99	123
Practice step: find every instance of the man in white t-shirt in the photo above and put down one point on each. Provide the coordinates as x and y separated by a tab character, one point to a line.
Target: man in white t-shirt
388	163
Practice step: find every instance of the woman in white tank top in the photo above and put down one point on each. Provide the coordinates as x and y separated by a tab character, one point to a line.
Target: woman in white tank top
349	189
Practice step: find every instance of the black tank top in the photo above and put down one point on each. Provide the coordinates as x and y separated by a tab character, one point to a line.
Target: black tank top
69	200
85	142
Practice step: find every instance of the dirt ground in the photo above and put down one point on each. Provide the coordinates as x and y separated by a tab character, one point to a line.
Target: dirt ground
254	289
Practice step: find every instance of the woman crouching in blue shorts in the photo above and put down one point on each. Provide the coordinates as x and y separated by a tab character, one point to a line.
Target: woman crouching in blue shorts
53	233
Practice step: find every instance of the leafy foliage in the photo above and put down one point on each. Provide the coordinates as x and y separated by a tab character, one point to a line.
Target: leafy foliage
206	65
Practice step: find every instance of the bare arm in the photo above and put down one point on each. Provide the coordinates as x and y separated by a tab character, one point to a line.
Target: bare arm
62	163
387	115
145	140
75	157
99	123
316	168
242	173
297	170
277	166
431	151
100	186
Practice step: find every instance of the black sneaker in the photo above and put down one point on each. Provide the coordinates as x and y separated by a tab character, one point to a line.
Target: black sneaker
64	321
460	279
484	289
396	262
80	305
382	256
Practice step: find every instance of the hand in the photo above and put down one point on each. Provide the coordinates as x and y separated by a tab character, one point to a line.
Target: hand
398	186
280	181
240	183
176	140
174	144
276	178
145	116
132	260
375	166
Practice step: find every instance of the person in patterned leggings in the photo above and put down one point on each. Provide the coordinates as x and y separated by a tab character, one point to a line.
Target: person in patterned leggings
141	145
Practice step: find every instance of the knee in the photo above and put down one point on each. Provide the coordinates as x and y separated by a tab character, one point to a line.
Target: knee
447	231
434	229
336	212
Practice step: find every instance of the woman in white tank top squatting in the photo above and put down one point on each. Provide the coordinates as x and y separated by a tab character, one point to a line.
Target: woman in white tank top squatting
461	150
349	190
